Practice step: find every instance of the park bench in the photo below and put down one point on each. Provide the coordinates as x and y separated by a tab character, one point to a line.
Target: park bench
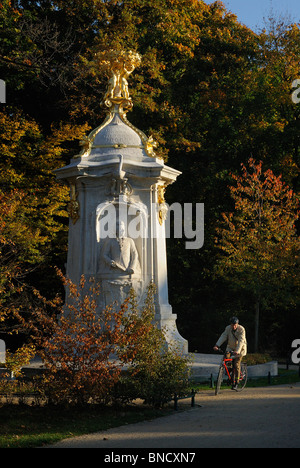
177	398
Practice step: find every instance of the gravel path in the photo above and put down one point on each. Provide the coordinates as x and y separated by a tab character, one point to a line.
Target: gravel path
266	417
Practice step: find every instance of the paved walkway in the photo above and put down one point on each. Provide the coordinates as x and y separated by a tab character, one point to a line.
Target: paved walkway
266	417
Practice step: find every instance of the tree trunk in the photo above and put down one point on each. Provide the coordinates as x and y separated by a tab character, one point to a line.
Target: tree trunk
256	326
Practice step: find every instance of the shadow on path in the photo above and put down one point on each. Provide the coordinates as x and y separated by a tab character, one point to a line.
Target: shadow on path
266	417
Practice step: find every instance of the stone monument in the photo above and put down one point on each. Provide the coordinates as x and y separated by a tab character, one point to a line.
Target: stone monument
117	207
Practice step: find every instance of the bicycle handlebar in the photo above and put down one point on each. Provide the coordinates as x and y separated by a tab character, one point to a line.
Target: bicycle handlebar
219	350
232	355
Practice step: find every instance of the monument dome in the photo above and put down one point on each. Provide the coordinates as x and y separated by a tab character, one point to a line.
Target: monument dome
117	133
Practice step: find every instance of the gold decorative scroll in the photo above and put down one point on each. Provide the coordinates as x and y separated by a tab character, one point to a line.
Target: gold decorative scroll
162	206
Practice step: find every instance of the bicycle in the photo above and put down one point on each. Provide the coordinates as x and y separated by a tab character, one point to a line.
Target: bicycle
228	368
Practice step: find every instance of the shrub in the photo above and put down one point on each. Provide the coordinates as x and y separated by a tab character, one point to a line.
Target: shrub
155	373
159	380
255	359
78	348
86	350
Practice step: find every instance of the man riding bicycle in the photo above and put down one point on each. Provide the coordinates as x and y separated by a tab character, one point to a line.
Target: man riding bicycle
235	335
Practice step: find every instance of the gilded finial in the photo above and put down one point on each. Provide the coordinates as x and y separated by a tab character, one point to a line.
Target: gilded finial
118	65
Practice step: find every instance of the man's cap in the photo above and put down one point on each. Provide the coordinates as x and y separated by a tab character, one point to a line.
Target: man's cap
234	320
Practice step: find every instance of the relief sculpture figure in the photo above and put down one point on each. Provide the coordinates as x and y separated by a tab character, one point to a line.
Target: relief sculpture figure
120	254
122	268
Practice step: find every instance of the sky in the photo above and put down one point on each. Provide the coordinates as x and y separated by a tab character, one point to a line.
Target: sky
252	12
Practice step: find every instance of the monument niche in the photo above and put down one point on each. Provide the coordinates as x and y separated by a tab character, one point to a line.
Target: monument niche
117	207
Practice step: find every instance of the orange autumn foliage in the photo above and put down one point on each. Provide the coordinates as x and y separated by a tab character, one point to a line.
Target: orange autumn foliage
86	350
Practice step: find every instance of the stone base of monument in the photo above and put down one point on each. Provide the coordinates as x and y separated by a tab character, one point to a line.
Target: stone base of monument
207	365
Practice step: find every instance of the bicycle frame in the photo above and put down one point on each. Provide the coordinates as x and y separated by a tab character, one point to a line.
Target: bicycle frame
224	366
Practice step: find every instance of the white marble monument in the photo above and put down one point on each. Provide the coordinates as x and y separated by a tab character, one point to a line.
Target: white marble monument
117	207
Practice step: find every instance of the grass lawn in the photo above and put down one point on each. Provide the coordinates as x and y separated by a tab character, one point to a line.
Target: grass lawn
284	377
25	426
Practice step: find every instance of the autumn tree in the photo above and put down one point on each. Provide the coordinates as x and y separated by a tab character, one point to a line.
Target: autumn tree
33	210
277	117
258	241
18	255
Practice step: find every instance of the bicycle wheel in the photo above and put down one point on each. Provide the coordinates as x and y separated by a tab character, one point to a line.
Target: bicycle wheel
243	378
219	380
